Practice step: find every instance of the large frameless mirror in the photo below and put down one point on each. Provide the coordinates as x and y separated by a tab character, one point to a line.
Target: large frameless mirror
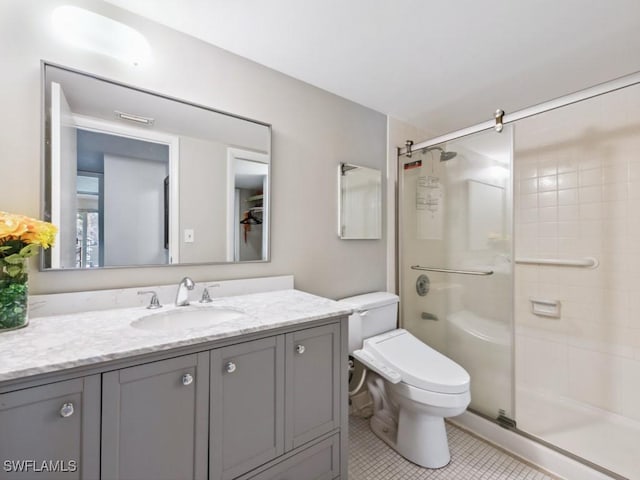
360	209
135	178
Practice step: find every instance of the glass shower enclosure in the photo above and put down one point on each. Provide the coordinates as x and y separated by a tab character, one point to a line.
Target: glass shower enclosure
519	258
456	273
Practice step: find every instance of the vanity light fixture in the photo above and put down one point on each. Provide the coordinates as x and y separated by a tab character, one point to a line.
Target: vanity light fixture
97	33
134	118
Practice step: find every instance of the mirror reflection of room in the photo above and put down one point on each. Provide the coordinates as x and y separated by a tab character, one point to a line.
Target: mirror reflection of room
251	184
360	202
134	178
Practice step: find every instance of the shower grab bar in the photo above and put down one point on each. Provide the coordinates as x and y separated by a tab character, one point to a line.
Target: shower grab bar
447	270
588	262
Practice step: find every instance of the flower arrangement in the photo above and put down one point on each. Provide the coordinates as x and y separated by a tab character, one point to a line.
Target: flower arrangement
20	238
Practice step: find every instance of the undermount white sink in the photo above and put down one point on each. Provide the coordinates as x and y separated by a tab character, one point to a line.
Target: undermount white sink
184	317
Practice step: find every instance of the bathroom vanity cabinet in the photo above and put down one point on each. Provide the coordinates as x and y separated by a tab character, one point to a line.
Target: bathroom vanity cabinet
269	405
273	395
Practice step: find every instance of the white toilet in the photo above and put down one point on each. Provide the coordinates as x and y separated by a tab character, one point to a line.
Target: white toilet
413	388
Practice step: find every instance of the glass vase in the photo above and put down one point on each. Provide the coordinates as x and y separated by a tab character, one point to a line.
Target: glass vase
13	300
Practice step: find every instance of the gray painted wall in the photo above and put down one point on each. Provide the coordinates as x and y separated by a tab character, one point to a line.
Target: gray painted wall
203	200
313	131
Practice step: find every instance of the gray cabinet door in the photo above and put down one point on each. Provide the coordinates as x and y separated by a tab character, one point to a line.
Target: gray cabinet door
52	431
155	420
247	407
312	399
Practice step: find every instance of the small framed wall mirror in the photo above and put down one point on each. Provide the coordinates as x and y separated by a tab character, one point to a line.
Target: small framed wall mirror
360	202
135	178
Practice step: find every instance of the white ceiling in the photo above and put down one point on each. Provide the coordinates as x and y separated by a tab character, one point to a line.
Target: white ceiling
97	99
439	64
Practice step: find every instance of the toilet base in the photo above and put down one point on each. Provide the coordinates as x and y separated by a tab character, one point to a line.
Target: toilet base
407	428
422	439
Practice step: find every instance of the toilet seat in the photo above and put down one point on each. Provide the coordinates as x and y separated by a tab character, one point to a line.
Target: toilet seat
434	399
418	364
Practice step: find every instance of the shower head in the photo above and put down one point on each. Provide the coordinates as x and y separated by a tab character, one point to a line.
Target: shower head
444	155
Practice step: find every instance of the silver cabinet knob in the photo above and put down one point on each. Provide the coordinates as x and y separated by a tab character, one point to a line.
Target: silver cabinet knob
187	379
66	410
230	367
300	349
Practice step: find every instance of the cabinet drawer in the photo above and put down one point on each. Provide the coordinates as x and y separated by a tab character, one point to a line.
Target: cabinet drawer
318	462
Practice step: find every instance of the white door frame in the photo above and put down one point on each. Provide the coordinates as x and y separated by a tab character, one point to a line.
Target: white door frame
62	251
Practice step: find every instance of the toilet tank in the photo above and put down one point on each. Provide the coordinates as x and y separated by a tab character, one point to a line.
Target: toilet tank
374	313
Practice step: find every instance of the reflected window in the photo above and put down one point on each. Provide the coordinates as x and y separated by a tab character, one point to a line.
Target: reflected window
88	220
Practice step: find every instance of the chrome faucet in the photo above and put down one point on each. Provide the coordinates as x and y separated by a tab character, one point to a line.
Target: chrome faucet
182	298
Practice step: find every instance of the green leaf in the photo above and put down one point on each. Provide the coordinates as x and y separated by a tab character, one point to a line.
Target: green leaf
30	250
5	248
14	270
15	259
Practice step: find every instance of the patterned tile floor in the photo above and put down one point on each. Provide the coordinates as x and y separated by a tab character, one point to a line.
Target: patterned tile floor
471	459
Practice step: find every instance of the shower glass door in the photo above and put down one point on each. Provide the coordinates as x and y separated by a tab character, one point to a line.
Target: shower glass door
456	271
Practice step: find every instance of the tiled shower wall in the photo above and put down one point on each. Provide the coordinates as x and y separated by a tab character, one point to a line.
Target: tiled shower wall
577	194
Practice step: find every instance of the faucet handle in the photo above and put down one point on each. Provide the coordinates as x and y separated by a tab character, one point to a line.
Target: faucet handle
154	303
206	297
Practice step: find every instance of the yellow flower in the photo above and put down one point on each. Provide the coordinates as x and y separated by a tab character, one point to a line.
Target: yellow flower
11	226
27	230
40	233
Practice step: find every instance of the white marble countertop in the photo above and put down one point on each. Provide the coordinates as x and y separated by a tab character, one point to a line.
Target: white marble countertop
56	343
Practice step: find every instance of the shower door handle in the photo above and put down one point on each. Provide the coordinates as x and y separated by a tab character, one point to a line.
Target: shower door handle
447	270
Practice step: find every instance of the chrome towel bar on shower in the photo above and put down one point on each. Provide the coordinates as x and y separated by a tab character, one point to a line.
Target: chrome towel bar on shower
447	270
588	262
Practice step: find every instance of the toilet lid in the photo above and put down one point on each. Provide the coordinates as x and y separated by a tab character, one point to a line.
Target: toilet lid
420	365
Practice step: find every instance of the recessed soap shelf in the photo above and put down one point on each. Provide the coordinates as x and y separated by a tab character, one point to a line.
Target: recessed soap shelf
545	307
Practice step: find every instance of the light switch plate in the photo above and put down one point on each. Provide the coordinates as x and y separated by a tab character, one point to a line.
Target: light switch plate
189	235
